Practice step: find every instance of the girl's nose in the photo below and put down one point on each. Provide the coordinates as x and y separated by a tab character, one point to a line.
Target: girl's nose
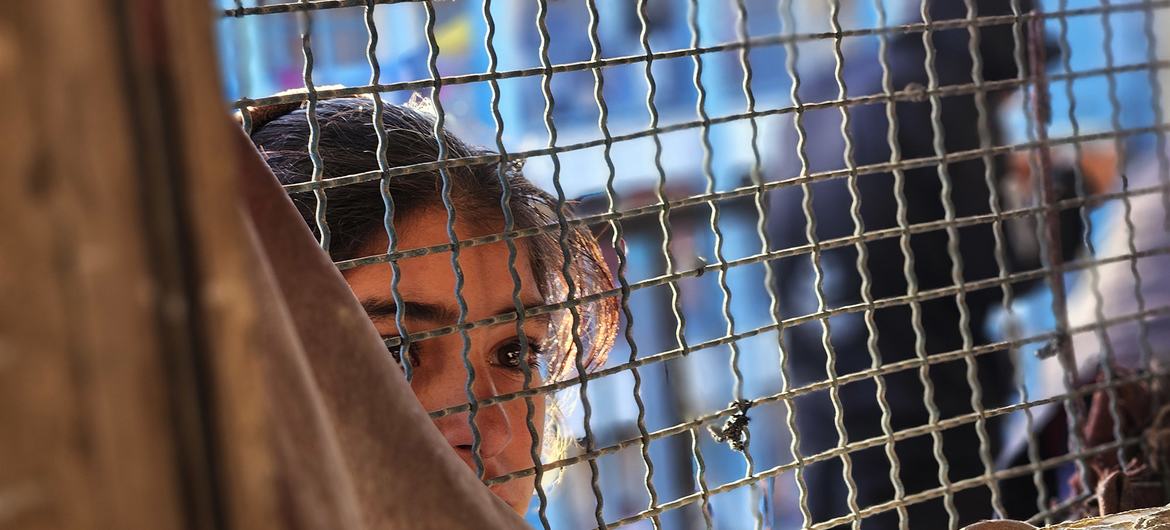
491	421
495	428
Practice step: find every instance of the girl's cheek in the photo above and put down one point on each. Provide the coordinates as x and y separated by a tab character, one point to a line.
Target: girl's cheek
424	391
522	440
538	403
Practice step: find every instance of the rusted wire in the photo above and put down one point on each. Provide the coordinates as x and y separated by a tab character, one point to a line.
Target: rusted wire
731	424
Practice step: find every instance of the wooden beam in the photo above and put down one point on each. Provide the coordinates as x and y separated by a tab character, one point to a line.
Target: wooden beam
123	370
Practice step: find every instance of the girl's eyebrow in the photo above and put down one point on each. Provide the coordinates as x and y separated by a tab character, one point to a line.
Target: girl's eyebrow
386	308
441	314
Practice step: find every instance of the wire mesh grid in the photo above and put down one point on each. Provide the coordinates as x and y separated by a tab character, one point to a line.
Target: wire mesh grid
746	414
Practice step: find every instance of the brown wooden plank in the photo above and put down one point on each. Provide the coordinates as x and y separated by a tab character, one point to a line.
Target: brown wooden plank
86	430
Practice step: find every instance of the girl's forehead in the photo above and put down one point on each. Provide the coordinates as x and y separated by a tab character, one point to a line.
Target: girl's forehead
482	267
427	227
488	281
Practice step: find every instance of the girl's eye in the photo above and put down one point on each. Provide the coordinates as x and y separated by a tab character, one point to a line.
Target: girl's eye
509	355
396	352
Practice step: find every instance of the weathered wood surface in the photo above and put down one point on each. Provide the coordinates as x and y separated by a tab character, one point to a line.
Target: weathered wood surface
174	350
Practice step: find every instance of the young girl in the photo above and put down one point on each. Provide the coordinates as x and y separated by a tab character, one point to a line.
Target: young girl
498	355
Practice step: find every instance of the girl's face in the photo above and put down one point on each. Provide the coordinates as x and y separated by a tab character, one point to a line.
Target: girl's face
439	379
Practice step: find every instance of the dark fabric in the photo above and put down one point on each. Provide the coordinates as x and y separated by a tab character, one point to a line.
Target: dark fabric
932	267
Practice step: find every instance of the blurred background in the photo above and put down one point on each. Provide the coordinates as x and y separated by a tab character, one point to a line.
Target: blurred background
262	55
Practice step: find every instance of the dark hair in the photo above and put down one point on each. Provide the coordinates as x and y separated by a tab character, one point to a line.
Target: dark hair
348	145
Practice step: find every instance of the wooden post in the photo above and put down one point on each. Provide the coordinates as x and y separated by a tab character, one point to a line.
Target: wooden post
162	365
118	359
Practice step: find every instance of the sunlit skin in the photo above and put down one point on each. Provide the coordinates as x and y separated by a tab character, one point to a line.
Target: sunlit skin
439	378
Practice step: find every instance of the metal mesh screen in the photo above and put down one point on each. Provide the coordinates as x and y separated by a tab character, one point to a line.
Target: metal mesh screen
783	360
